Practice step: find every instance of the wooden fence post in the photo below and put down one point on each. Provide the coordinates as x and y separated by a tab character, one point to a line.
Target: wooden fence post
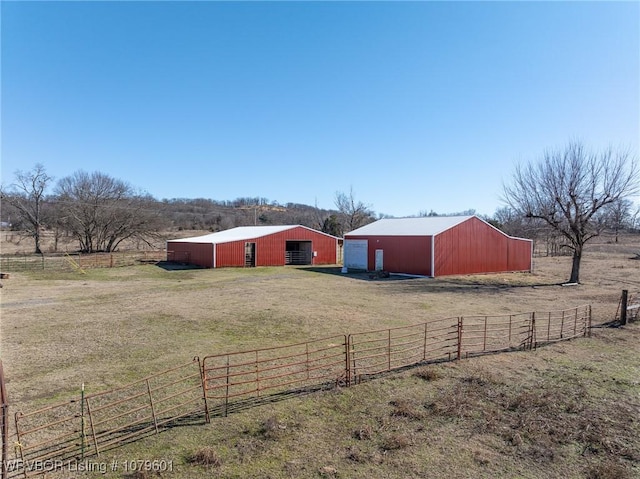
623	307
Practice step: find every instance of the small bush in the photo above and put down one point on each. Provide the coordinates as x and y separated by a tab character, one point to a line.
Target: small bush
206	456
395	442
427	374
405	408
272	428
363	433
607	470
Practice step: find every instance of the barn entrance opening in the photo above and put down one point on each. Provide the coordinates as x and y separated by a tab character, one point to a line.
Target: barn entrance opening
298	253
250	254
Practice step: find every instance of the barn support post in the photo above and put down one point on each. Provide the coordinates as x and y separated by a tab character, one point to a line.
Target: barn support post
623	307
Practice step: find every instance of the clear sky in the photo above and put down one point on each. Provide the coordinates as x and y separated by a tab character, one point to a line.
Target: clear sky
416	105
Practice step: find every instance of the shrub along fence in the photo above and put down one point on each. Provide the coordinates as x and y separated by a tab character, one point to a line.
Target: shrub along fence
58	436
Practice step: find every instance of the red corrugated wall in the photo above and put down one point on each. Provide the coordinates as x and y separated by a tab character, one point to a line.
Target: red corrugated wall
200	254
476	247
520	253
402	254
270	250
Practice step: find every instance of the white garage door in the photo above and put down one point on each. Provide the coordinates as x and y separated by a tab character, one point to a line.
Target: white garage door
355	254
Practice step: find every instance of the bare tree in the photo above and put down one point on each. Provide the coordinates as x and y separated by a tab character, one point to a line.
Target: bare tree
354	213
618	216
27	196
101	211
569	188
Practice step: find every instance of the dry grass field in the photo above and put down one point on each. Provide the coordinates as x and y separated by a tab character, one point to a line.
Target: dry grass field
566	410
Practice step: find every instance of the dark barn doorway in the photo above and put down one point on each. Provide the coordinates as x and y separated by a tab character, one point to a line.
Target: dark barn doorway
298	253
250	254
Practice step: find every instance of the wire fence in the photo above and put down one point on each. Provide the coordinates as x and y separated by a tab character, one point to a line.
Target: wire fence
192	393
69	262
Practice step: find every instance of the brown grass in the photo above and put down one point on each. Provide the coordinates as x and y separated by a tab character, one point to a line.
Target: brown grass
565	410
206	456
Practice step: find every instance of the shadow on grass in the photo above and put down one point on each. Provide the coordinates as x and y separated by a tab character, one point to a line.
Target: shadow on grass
359	275
398	284
174	266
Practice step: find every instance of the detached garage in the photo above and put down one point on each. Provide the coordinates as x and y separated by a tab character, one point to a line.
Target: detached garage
256	246
435	246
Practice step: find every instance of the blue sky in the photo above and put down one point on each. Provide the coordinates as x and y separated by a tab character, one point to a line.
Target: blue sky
416	106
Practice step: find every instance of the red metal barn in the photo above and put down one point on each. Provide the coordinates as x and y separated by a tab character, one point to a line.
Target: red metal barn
435	246
256	246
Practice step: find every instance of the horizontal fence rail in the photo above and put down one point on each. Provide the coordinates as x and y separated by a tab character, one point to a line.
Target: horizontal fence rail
68	262
485	334
374	352
560	325
193	392
252	374
91	424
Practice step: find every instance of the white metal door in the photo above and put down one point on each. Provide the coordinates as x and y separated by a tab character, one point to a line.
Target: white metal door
379	259
355	254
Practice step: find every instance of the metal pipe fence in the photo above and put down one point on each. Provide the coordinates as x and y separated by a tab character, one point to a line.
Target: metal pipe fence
193	392
484	334
374	352
89	425
252	374
560	325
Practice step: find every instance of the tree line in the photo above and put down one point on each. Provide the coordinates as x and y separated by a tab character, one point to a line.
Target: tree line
562	200
100	212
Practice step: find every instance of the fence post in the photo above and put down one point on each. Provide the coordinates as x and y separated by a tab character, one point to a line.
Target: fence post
623	307
203	383
589	321
82	422
226	392
153	409
19	444
459	352
424	351
389	350
5	422
532	333
347	359
93	429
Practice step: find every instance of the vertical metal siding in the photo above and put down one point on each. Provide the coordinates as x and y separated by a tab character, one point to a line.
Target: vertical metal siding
520	253
402	254
199	254
230	254
476	247
270	250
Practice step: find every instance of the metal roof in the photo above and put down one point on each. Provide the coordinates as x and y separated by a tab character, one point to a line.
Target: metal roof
422	226
241	233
